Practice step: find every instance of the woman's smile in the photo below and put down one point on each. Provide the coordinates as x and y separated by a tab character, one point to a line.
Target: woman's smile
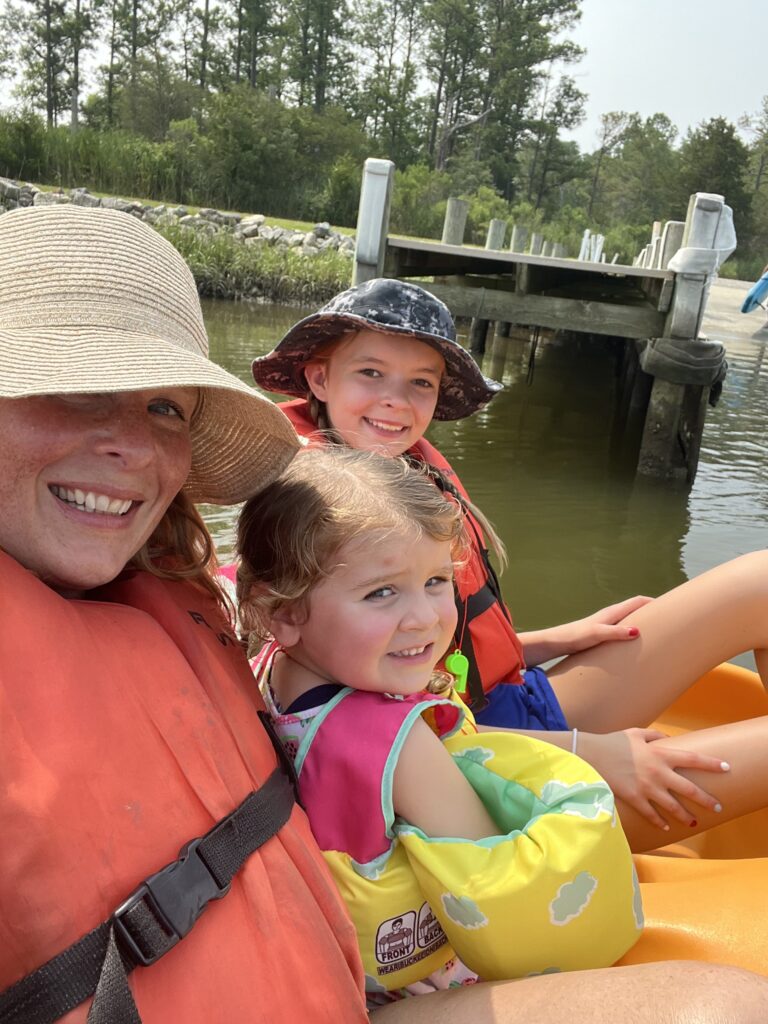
86	478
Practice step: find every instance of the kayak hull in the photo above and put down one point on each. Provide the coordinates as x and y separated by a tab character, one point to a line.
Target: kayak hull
707	899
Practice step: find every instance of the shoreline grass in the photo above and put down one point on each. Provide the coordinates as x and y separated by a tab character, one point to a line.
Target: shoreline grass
226	268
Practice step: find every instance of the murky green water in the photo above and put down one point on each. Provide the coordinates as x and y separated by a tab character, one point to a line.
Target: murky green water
581	531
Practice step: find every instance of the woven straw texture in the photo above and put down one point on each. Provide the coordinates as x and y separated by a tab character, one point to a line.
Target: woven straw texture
93	300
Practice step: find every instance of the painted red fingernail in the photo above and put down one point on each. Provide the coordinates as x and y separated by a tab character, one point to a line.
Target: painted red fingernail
693	824
634	631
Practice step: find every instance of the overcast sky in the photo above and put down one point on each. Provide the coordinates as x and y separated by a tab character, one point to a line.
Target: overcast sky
690	59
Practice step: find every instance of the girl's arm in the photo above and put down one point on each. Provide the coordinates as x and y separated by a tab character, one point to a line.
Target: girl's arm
641	772
429	791
542	645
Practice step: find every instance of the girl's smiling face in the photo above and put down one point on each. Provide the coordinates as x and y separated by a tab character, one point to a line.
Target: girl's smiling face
383	617
380	390
86	478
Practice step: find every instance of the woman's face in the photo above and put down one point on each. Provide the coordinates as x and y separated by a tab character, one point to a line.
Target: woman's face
86	478
380	390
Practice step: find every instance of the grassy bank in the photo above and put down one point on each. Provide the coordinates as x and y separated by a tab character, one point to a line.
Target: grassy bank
226	268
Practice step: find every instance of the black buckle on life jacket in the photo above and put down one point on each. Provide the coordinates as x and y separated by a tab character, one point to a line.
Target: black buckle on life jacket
175	896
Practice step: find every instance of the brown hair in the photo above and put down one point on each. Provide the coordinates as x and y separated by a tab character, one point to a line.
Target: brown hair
181	548
290	534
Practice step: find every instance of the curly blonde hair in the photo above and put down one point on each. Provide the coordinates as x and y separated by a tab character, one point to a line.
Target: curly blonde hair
290	534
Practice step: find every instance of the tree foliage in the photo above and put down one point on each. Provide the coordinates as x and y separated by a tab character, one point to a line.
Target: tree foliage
273	105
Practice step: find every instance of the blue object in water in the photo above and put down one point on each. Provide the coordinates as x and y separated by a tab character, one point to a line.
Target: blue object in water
756	295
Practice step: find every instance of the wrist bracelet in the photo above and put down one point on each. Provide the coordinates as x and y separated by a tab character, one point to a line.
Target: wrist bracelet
575	740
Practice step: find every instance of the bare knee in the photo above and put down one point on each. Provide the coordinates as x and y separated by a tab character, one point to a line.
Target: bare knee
674	992
725	995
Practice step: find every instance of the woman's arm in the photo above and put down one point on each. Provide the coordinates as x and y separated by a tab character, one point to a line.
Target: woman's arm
542	645
430	792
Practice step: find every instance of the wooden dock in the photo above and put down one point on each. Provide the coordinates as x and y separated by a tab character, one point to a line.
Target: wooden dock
668	372
538	291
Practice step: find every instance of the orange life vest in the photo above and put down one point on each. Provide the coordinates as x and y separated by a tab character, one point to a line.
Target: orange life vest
129	726
497	648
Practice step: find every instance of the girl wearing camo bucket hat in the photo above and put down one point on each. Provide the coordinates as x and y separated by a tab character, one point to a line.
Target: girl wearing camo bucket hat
373	367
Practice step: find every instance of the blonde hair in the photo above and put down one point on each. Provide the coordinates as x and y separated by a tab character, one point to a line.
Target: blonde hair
180	548
290	534
318	412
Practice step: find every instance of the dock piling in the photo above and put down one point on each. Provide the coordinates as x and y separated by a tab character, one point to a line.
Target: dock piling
373	219
478	331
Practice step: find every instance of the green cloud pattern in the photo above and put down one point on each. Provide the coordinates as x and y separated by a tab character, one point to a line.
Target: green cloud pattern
463	911
572	898
586	800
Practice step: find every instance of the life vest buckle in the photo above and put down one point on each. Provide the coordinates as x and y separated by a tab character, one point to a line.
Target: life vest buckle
175	897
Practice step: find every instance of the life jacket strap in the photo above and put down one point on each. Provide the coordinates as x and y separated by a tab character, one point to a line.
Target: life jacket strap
154	918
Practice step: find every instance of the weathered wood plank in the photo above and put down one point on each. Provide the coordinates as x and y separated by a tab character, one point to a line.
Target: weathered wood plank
548	311
469	253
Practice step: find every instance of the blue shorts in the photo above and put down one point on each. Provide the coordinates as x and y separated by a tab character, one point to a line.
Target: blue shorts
531	704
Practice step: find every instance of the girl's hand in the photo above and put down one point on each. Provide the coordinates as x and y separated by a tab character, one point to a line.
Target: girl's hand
644	773
570	638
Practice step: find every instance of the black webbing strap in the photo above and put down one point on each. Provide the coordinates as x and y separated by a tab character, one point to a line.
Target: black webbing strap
151	921
467	610
477	603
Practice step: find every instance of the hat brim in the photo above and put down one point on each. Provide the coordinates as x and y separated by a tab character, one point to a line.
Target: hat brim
463	389
241	441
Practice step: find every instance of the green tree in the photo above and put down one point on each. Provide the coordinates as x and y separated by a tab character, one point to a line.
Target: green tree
39	52
714	159
613	125
451	54
523	41
641	180
318	61
552	160
385	97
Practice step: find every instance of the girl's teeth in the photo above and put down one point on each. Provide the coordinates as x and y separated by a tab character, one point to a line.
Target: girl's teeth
410	652
386	426
91	502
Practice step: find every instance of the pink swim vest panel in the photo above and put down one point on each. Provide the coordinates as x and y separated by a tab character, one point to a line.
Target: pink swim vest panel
345	774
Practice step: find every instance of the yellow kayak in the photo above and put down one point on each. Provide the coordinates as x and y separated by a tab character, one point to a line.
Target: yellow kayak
707	898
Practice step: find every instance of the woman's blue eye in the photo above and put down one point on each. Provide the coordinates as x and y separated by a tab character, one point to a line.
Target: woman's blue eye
167	408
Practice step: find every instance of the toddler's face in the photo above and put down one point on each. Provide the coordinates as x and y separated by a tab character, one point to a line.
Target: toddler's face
380	390
382	620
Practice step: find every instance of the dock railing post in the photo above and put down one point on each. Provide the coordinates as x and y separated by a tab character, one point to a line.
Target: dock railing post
671	240
517	243
519	238
373	219
683	365
478	331
455	221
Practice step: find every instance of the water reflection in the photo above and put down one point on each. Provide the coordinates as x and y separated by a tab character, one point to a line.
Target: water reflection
540	460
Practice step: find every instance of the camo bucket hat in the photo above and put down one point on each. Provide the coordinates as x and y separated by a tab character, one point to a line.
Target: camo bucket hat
392	307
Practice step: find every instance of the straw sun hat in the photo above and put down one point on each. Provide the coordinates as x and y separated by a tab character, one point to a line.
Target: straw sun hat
93	300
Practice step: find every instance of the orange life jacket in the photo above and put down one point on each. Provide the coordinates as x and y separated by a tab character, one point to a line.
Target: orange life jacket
129	726
497	650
